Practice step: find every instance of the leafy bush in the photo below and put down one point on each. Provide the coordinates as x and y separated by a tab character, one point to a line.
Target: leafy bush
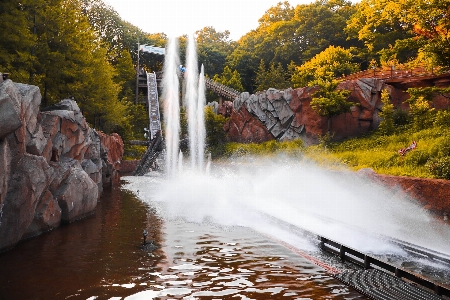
401	117
440	167
442	118
386	114
215	134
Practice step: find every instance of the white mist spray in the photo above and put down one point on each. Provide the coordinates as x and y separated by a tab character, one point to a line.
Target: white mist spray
201	136
171	106
338	205
190	99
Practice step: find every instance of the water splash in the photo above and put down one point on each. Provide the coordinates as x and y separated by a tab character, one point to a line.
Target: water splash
201	118
191	99
171	100
342	206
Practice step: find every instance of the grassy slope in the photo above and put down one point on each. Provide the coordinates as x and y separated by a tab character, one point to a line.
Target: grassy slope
373	151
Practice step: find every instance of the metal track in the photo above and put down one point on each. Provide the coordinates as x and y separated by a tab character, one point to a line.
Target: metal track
221	90
377	271
153	105
150	156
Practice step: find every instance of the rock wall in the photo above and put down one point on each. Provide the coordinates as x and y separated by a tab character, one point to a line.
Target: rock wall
287	115
53	166
432	194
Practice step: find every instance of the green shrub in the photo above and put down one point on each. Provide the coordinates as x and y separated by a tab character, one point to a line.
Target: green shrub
439	167
442	118
400	117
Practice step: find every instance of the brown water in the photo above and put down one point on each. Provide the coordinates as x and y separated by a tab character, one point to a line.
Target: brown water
100	257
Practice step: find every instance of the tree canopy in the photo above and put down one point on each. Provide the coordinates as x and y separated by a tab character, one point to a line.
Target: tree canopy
83	49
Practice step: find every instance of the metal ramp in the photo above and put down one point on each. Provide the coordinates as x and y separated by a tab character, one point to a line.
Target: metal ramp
153	151
220	89
153	105
155	145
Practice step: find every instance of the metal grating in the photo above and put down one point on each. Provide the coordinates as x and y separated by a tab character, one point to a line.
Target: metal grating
380	285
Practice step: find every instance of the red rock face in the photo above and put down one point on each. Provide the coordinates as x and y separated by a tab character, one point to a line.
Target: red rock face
308	125
52	165
244	128
226	109
432	194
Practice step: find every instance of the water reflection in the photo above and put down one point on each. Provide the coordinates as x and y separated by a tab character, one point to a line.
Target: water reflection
100	257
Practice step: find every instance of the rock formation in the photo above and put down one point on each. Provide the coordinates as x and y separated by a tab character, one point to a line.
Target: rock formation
431	194
52	164
287	115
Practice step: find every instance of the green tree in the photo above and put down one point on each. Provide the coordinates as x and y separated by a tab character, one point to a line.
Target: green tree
288	34
230	78
420	104
273	77
17	41
213	49
430	21
215	134
333	61
381	26
386	114
329	101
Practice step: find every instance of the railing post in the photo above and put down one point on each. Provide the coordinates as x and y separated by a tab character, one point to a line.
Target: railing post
342	253
367	262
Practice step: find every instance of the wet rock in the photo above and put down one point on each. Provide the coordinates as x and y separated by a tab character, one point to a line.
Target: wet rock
29	181
76	195
47	216
51	163
10	108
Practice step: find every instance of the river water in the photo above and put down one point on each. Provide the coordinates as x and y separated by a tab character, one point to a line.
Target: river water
101	257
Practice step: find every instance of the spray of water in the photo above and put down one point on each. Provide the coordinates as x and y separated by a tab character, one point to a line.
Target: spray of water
201	118
341	206
190	99
171	105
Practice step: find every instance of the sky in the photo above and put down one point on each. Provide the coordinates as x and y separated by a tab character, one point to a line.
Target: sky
176	18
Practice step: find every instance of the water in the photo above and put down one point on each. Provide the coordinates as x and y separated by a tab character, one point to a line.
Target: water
171	104
201	130
341	206
100	257
194	101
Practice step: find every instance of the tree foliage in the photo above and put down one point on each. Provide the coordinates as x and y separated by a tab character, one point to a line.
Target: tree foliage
273	77
215	134
386	114
332	62
329	101
288	34
230	78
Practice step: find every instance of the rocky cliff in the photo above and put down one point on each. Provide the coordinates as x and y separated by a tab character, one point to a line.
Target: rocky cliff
53	166
287	115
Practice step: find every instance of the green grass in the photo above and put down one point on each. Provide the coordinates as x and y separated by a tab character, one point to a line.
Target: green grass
375	151
380	153
294	148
